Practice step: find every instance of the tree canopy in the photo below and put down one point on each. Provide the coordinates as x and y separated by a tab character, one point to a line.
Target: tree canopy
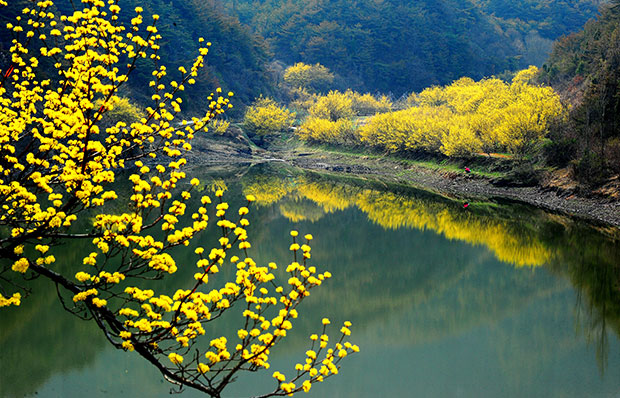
399	47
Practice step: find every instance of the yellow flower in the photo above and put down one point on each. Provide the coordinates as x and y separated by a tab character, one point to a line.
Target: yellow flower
278	376
20	265
128	345
175	358
82	276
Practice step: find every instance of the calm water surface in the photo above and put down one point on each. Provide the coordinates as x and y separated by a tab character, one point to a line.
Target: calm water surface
493	300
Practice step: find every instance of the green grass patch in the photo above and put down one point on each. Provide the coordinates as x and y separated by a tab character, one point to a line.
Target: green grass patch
480	165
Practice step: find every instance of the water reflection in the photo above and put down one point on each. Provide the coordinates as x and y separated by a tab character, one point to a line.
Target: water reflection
519	235
41	339
308	197
439	295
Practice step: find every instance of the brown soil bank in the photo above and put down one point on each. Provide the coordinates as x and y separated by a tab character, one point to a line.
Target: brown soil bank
555	193
600	207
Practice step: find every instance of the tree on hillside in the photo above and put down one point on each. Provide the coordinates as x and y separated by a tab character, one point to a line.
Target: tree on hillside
585	67
314	77
73	177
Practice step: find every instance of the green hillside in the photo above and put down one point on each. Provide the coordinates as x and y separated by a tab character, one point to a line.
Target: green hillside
399	47
585	68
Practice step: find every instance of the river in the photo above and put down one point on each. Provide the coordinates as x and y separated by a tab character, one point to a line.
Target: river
489	300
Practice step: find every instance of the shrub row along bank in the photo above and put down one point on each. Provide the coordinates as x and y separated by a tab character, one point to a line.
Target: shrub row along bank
461	119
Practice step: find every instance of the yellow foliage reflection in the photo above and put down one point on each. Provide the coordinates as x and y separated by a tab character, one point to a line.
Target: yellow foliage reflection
393	211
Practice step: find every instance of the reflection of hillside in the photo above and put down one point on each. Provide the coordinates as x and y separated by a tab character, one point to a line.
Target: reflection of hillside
592	264
406	286
395	268
39	339
397	278
527	339
393	210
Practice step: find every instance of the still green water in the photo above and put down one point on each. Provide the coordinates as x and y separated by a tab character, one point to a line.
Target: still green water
493	300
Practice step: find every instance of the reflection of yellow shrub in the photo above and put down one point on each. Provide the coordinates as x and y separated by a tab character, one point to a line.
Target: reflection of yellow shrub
301	210
330	197
268	189
394	211
266	117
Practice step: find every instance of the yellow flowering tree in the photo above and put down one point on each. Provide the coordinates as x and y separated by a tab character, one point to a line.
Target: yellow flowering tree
265	117
468	117
314	77
60	162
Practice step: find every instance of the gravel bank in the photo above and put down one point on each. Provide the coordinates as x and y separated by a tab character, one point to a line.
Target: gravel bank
468	187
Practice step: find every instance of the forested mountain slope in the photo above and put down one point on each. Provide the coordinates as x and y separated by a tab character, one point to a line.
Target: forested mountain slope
551	18
585	68
388	46
401	46
236	60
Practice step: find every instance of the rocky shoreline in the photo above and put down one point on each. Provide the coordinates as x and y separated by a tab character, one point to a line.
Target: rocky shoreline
604	211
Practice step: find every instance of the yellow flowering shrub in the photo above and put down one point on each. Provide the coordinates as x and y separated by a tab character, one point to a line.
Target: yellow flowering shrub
307	76
301	100
266	117
409	129
333	106
64	151
220	127
367	104
460	119
316	129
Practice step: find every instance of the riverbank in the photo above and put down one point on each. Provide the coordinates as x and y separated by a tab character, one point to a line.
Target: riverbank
602	208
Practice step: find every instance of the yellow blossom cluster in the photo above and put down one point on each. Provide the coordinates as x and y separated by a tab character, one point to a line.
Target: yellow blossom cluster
461	119
56	159
321	362
128	185
180	318
469	117
15	299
